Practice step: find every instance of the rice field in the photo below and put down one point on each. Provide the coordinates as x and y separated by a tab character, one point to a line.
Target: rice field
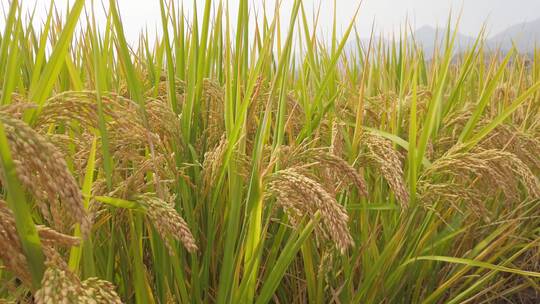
252	161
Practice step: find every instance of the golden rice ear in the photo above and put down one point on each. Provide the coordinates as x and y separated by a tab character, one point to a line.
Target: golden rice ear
505	91
101	291
51	238
134	179
168	222
161	90
213	160
163	121
301	196
17	108
510	138
295	117
11	253
211	113
339	169
62	286
525	144
70	106
337	172
58	286
41	168
387	159
125	125
453	195
336	143
476	176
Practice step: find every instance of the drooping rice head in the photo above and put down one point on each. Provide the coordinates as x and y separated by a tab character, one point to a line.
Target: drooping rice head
12	254
168	222
302	196
42	170
62	286
381	153
478	176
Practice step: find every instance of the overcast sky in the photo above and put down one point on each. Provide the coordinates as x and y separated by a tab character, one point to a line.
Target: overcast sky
388	15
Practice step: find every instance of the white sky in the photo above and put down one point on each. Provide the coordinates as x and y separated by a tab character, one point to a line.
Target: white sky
388	15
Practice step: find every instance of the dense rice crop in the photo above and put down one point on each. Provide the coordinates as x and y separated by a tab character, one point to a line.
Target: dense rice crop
233	162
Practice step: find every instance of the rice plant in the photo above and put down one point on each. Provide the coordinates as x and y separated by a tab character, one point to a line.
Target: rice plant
249	161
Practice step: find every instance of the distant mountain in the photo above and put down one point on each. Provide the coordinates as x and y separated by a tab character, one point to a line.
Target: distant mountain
429	38
525	36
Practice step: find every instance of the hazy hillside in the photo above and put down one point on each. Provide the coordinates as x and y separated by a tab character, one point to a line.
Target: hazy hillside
525	35
430	38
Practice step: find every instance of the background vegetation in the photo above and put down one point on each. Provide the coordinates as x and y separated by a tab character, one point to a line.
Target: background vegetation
238	161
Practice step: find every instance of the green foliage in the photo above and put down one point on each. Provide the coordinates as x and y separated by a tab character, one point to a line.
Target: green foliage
205	118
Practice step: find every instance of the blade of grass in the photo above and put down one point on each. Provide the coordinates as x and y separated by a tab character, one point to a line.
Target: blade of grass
52	68
295	242
474	263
